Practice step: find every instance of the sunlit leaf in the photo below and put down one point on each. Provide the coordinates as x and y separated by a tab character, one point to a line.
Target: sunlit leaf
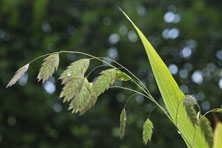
171	95
218	136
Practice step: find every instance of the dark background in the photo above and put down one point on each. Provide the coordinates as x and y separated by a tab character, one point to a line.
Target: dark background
187	35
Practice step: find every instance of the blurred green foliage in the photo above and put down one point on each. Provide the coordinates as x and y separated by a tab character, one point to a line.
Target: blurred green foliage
186	34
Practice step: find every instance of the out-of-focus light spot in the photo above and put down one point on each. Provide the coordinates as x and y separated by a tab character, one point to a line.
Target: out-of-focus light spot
220	83
173	69
219	54
205	105
57	107
197	77
116	132
191	43
23	80
211	67
71	30
141	10
107	21
165	33
113	53
188	66
2	34
106	61
123	30
49	86
186	52
114	38
184	89
170	33
171	17
120	97
132	36
200	95
11	120
174	33
46	28
183	73
139	99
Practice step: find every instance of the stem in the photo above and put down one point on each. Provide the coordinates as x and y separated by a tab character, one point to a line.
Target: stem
148	97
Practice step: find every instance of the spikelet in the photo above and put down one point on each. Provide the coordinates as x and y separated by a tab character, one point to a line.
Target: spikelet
206	130
76	69
81	99
18	74
122	76
104	81
147	131
122	123
188	104
48	67
71	88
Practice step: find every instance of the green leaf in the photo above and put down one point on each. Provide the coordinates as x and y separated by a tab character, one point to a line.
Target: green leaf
218	136
18	74
206	130
48	67
122	123
76	69
147	131
171	95
188	104
122	76
82	98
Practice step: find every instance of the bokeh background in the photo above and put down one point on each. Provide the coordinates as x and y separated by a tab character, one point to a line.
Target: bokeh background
187	35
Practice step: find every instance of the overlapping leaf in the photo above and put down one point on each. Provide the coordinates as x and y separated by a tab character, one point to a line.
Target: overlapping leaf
18	74
206	130
122	123
48	67
147	131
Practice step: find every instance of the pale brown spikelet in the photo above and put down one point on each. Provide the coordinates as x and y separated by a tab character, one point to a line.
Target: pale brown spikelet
18	74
